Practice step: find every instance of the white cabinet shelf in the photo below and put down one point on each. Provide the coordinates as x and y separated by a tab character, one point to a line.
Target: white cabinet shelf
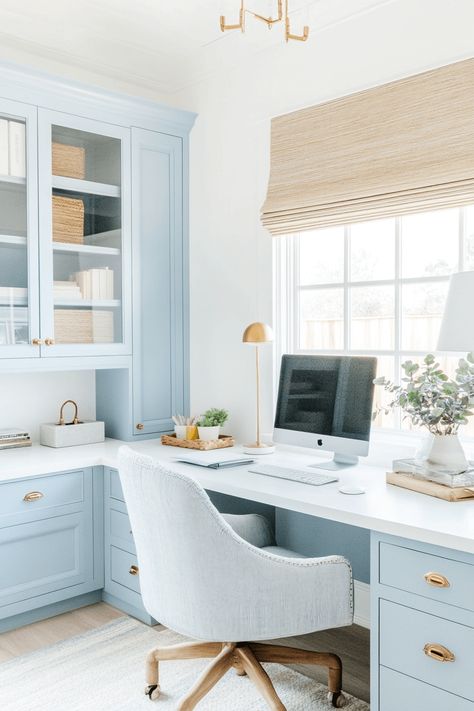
12	180
13	240
84	249
88	303
85	186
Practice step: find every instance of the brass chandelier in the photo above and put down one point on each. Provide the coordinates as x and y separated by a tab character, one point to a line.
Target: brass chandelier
269	21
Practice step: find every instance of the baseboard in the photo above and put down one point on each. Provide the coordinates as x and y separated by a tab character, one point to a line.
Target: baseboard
361	604
55	608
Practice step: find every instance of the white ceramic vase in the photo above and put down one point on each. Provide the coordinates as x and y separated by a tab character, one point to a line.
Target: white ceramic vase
208	433
444	451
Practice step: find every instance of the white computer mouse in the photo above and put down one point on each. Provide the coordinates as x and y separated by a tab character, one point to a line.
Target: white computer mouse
352	490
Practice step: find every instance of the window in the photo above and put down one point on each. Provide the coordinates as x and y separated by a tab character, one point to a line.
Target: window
374	288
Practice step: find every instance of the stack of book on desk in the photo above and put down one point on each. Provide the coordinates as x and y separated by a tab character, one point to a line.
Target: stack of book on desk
430	479
14	438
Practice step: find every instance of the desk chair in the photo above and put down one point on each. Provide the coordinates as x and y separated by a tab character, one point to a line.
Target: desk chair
222	580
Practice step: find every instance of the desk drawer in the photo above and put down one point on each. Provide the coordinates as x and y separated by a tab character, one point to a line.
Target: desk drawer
41	493
124	569
450	581
405	632
115	486
120	528
402	692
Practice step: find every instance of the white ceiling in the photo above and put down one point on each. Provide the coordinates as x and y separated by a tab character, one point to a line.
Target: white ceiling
156	44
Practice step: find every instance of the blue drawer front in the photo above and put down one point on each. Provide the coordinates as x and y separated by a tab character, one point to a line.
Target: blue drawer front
43	556
115	486
403	693
55	490
120	529
404	634
405	569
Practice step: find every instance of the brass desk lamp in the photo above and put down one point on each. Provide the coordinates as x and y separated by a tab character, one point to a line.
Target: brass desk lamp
258	333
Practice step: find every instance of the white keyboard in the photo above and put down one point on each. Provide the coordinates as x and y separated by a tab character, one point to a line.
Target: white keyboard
299	475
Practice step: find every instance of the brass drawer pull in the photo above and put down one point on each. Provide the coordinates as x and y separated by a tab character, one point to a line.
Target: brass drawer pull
437	580
37	342
140	426
439	653
49	341
133	570
33	496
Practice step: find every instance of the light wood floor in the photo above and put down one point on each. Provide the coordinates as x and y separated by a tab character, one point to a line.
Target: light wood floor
351	643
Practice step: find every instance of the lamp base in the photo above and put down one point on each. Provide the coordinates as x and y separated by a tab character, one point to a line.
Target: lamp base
258	448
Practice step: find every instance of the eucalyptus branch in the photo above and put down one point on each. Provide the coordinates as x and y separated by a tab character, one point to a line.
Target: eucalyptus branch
429	398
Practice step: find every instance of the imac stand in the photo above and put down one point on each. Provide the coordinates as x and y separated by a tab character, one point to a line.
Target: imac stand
339	461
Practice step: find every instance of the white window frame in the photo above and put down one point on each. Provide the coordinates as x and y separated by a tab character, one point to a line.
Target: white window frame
286	305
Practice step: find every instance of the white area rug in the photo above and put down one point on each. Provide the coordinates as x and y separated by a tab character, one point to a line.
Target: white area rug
103	670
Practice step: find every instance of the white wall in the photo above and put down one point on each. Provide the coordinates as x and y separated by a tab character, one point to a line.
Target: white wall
28	399
231	254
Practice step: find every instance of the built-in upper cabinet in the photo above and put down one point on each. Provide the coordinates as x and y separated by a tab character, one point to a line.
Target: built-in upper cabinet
84	228
19	294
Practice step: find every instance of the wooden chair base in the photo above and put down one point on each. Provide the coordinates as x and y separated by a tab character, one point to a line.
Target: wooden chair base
246	658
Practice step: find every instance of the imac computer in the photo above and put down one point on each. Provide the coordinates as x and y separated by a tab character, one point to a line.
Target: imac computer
325	403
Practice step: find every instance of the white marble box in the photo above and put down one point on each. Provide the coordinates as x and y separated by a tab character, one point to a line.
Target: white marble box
53	435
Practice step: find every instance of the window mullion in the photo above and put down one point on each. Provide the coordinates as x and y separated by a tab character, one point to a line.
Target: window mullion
347	304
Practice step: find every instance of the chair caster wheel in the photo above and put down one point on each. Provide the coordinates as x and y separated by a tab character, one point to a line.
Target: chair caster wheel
152	691
337	699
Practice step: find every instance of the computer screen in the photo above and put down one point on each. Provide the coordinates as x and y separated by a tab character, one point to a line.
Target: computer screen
326	402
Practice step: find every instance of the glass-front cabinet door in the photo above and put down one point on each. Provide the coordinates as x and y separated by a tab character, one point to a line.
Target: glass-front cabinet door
84	236
19	303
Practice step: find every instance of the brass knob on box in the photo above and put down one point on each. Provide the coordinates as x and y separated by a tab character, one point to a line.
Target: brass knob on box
49	341
437	580
133	570
37	342
438	653
33	496
140	426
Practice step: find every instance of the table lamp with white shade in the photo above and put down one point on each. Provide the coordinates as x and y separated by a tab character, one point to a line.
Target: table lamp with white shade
456	335
457	326
256	334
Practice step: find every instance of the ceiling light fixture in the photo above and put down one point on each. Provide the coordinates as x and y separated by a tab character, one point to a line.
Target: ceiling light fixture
269	21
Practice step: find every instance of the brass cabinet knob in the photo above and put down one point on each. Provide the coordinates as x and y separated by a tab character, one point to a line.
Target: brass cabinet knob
439	653
133	570
37	342
49	341
437	580
33	496
140	426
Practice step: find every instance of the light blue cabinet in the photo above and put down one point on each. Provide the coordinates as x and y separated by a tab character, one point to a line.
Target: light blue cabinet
423	626
140	403
51	542
91	163
122	573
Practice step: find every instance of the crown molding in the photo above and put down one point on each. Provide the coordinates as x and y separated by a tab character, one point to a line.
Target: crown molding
69	96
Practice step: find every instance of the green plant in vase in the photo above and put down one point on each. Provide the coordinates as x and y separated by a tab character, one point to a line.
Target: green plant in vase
431	399
210	422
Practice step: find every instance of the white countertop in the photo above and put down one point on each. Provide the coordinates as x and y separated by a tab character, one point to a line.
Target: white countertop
383	508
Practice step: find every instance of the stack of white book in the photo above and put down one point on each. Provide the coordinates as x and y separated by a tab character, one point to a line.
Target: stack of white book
66	291
14	438
12	148
95	283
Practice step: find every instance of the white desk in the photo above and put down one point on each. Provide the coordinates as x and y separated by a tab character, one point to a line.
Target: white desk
382	508
411	534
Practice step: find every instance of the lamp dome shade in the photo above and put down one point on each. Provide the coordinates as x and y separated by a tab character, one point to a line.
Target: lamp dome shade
457	327
257	332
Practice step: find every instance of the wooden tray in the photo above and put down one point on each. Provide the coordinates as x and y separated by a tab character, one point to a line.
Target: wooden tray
202	444
423	486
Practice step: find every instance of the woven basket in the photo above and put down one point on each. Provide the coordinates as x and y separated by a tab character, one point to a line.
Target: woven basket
202	444
83	326
69	161
68	220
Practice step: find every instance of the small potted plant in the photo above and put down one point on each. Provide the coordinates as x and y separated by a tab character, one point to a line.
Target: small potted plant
430	399
210	423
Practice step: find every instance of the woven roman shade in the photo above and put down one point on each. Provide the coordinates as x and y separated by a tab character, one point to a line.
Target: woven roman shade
403	147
